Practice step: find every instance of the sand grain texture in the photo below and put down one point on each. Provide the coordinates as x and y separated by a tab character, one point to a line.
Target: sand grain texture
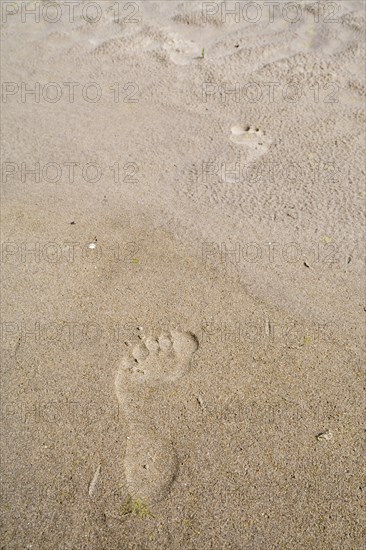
183	305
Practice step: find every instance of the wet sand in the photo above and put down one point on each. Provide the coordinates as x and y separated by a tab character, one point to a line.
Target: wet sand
182	276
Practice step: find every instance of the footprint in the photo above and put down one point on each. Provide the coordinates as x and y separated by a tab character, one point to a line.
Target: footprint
157	360
255	140
151	464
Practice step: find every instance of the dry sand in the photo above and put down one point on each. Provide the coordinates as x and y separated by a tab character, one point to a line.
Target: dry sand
182	275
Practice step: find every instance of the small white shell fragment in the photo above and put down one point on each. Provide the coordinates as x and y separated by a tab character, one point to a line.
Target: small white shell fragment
327	435
92	245
237	130
94	481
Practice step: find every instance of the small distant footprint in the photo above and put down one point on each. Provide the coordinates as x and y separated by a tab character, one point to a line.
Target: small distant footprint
255	140
150	461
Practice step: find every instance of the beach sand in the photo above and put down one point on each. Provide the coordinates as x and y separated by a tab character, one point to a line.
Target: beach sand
183	305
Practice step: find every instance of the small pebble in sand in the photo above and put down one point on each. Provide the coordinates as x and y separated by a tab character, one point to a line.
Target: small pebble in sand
200	402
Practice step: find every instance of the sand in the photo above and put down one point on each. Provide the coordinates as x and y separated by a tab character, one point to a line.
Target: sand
183	275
